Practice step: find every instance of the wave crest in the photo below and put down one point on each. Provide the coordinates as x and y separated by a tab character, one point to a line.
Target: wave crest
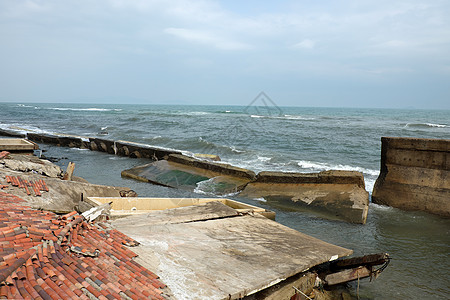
325	166
426	125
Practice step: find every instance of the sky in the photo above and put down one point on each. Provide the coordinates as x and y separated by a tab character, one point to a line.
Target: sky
377	54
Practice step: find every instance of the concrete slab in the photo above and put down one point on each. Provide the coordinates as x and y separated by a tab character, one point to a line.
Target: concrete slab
17	145
222	258
199	212
126	206
184	176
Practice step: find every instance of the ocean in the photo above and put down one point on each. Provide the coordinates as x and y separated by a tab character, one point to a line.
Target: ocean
264	136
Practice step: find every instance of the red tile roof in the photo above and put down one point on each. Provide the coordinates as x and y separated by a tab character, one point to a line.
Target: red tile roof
46	256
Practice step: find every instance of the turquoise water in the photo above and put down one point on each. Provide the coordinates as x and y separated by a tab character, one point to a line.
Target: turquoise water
267	137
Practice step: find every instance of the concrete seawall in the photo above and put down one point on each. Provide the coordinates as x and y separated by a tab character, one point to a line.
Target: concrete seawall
121	148
332	194
340	194
415	175
224	169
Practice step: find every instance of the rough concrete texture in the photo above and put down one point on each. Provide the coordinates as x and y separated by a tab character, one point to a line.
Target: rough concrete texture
131	149
223	169
12	133
415	175
325	177
334	194
225	257
29	163
347	202
63	195
187	173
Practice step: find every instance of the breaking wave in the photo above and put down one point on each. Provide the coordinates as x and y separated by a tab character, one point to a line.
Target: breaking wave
325	166
84	109
284	117
425	125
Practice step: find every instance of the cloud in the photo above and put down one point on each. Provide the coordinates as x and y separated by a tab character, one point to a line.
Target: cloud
340	41
305	44
206	38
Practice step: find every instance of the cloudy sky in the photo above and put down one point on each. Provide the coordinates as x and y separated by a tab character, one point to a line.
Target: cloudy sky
301	53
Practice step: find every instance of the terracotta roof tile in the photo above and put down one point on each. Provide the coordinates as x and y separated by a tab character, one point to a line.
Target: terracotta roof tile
46	256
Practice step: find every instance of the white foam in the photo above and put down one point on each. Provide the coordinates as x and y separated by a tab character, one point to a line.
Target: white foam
24	129
292	117
380	207
436	125
426	125
84	109
28	106
264	159
325	166
260	199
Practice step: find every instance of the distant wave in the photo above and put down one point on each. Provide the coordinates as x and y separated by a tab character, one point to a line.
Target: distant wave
191	113
426	125
284	117
84	109
227	112
211	145
29	106
324	166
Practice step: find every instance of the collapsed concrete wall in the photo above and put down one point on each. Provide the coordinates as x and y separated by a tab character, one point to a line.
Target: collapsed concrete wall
415	175
332	194
121	148
340	194
181	171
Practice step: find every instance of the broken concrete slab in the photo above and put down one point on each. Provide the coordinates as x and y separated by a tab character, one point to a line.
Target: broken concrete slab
333	194
126	206
17	145
62	196
60	140
199	212
184	172
138	150
12	133
222	258
415	175
29	163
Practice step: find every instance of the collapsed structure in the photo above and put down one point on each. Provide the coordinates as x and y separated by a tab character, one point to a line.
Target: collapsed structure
325	193
415	175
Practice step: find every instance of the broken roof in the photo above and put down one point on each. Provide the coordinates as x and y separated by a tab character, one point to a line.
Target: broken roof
46	256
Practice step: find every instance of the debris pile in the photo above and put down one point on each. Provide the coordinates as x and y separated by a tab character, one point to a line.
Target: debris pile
43	255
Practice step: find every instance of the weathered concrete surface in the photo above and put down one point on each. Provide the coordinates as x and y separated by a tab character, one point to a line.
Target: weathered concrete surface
224	169
184	172
126	206
131	149
415	175
122	148
29	163
17	145
333	194
63	195
222	258
11	133
60	140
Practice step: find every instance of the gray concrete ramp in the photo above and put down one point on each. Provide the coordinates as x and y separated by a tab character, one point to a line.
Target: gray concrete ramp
223	257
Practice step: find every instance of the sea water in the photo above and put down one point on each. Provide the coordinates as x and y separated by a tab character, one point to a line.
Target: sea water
267	137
